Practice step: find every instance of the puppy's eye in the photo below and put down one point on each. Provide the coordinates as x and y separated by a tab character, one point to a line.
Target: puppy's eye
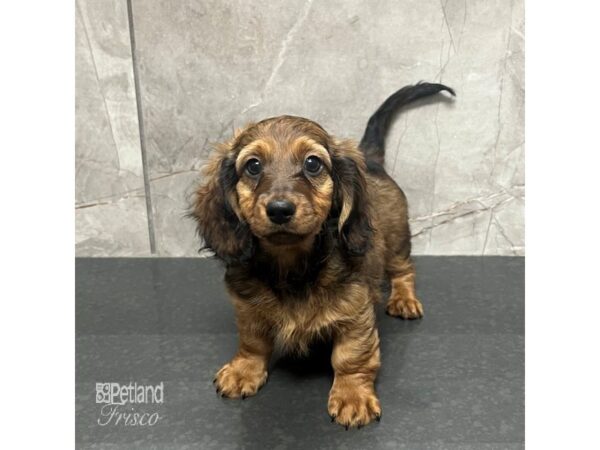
253	167
313	165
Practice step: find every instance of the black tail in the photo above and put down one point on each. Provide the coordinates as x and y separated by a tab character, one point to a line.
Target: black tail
373	142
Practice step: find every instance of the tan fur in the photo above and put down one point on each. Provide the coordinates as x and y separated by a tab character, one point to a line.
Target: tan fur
339	303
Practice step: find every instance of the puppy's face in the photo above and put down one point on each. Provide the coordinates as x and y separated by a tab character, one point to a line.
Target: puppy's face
284	187
277	182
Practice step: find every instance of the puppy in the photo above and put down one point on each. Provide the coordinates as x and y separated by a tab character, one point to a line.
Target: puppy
308	226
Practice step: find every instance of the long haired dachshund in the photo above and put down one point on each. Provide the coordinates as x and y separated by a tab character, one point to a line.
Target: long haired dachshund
308	226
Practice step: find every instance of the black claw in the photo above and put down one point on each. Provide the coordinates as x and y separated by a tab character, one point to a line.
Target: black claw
378	417
244	396
217	390
223	394
346	427
359	426
215	380
332	418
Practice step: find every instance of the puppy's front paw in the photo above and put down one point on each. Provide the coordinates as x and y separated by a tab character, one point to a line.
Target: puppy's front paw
353	406
406	308
240	378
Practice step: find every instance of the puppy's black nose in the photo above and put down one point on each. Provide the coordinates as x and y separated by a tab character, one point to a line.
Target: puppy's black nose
280	211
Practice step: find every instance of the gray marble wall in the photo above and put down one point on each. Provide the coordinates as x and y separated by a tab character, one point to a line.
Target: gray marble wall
206	67
110	206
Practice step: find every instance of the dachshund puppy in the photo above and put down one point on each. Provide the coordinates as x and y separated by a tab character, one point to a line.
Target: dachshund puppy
308	226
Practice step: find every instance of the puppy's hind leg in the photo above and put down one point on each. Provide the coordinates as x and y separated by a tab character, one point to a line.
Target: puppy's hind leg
403	300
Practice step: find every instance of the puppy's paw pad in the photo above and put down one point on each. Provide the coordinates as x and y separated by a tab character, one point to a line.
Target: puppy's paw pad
408	308
234	381
353	407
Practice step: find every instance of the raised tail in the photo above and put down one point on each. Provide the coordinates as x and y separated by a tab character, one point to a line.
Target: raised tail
373	141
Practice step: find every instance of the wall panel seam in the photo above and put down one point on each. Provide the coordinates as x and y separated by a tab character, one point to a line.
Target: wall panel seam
138	101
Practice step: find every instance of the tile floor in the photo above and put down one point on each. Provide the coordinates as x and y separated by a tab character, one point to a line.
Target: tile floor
454	380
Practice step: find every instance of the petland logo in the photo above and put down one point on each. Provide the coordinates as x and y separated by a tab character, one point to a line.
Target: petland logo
129	405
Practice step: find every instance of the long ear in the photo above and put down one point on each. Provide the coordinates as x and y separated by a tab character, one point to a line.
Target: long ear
351	202
216	212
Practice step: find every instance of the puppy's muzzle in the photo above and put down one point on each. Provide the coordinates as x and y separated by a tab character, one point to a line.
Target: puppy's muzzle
280	211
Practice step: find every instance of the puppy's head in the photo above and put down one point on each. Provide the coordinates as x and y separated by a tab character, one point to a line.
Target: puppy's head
275	184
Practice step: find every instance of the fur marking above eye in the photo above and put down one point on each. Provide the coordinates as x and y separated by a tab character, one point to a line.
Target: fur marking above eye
313	165
253	167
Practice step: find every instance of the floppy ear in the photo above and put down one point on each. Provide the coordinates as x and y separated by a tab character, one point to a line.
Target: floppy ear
216	211
350	198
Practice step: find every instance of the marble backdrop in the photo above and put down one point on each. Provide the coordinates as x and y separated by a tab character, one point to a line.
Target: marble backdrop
206	67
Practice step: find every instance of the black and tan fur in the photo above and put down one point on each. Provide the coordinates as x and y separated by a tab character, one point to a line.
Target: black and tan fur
317	276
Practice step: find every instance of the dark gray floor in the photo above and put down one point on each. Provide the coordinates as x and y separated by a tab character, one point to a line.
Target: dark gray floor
454	380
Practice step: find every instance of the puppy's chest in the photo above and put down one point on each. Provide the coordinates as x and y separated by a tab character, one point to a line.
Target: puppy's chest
296	324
